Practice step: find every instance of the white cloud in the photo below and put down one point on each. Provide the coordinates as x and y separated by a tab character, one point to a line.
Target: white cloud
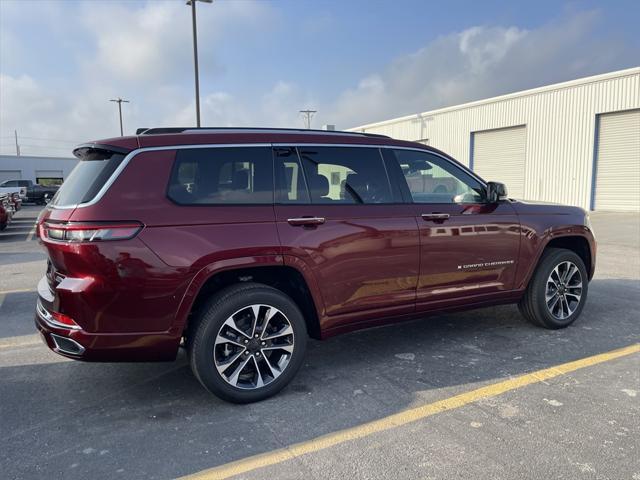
141	45
484	47
142	56
154	42
277	107
476	63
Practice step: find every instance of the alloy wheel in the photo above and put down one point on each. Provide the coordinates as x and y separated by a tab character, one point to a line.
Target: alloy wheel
254	346
563	291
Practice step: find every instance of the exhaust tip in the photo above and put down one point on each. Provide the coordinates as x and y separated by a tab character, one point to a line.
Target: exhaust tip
67	345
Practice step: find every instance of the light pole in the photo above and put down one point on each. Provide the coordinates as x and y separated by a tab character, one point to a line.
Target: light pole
120	101
195	53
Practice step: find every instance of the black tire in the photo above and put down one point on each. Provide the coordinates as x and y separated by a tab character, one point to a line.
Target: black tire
209	321
533	305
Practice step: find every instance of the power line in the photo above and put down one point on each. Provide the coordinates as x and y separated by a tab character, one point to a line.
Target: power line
49	139
308	114
120	101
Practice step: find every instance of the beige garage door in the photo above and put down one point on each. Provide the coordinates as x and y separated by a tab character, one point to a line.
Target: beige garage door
500	155
618	162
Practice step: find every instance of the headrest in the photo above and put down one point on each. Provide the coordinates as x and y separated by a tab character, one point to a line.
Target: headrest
240	180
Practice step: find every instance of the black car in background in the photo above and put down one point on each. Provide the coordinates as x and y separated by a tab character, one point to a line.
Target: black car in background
40	194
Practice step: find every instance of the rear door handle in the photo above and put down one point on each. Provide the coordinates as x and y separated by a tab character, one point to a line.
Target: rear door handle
297	221
435	217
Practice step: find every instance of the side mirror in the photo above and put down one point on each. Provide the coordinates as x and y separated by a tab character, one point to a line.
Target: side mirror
496	192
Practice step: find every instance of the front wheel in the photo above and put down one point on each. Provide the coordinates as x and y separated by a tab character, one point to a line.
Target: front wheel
247	343
557	292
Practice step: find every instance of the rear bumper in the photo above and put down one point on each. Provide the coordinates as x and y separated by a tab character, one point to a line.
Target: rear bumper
100	347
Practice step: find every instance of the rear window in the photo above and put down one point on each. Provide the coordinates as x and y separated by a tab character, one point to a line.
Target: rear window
222	176
87	178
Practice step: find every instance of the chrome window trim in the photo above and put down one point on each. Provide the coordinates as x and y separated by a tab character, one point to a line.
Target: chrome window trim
390	147
133	153
114	176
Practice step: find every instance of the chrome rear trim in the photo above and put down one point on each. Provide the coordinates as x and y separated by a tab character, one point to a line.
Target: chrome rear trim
59	342
44	314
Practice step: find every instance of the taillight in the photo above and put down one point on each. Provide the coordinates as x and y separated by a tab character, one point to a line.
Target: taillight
64	319
89	232
55	318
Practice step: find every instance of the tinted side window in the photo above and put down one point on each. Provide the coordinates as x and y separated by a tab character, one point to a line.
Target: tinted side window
291	185
213	176
10	183
432	179
345	175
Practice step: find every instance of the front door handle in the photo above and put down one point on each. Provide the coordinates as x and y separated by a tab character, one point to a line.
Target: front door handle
298	221
435	217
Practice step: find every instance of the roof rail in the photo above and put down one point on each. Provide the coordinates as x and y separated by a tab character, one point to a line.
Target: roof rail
168	130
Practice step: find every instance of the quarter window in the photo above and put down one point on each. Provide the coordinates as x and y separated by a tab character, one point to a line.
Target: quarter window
432	179
213	176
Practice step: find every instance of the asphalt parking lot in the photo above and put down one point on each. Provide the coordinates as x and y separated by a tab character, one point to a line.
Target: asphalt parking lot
418	382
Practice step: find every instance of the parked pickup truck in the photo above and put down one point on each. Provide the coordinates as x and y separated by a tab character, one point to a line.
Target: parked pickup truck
11	189
33	192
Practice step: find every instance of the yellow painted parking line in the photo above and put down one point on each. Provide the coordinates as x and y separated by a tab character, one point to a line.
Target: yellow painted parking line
20	341
31	234
19	344
402	418
19	290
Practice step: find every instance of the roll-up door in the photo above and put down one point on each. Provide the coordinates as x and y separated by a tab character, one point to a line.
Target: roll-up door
500	156
618	162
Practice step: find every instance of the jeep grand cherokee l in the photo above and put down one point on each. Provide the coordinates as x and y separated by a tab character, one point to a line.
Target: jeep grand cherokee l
241	243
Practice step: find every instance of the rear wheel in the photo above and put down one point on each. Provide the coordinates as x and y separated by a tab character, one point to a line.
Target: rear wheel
557	292
248	342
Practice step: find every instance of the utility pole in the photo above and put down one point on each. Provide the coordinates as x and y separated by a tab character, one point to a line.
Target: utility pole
308	114
17	146
195	54
120	101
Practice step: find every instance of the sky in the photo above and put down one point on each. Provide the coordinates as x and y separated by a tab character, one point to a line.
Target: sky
261	61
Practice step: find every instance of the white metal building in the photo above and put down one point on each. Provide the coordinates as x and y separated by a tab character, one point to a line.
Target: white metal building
576	142
37	169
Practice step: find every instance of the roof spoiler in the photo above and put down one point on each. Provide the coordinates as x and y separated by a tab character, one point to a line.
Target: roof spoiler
95	151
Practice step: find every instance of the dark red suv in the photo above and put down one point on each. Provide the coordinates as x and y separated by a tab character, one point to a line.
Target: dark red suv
243	242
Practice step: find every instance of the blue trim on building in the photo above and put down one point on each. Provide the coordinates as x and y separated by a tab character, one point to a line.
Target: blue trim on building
471	144
594	167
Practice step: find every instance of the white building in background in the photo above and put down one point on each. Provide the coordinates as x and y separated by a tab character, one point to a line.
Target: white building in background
50	170
576	142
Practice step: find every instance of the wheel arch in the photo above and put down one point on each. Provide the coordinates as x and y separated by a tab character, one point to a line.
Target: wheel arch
579	244
273	273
